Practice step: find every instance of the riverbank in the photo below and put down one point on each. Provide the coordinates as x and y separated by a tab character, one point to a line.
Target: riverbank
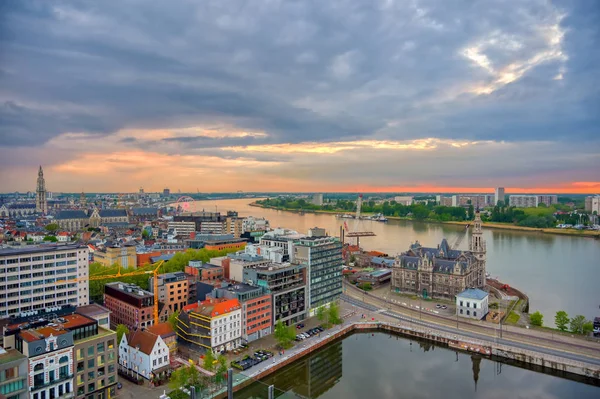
490	225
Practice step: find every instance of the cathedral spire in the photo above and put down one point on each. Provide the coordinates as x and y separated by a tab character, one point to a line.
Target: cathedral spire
41	204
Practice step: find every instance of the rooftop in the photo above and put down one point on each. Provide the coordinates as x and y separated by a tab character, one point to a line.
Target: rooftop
473	293
93	309
10	355
37	334
240	288
76	320
161	329
130	289
143	340
31	249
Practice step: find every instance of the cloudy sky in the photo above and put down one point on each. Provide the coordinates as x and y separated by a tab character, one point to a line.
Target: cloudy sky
274	95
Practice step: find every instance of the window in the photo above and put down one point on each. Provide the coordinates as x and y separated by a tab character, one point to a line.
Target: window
461	303
468	313
80	366
154	363
461	311
165	358
80	379
110	342
64	359
91	351
38	367
468	303
475	314
90	364
91	387
100	347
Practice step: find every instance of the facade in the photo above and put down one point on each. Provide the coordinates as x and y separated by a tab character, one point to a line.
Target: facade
287	284
129	304
225	244
204	271
143	353
281	238
13	374
479	201
252	223
33	278
523	201
592	204
499	195
199	218
441	272
122	255
213	228
182	228
472	303
79	219
41	202
166	332
547	199
322	257
317	199
215	324
139	215
172	290
257	310
404	200
96	312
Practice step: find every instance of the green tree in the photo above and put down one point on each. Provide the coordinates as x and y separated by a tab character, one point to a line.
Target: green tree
121	329
334	313
209	361
321	314
179	378
221	369
471	212
588	327
561	320
537	319
52	227
576	324
51	239
145	234
284	334
173	319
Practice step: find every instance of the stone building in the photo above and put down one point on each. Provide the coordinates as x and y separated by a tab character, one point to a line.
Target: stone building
441	272
79	219
41	203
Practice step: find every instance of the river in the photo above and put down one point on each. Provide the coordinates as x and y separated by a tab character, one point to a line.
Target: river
379	365
557	272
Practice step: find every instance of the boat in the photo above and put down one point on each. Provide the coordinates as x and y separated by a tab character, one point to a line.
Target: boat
382	218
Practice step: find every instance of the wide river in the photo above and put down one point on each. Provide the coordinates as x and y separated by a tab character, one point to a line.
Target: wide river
557	272
379	365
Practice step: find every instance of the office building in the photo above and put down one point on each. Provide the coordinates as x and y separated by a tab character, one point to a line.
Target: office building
214	324
130	305
13	374
592	204
322	257
251	224
287	283
499	195
184	229
145	354
257	311
172	290
116	254
45	276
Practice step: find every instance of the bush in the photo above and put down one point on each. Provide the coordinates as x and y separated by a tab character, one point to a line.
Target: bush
537	319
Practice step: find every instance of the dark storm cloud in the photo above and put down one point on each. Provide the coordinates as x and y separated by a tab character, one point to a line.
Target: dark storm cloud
299	71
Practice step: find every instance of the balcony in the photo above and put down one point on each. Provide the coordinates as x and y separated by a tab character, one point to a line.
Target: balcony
62	377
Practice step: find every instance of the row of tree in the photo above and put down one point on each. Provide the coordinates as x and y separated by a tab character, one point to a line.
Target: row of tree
326	315
577	325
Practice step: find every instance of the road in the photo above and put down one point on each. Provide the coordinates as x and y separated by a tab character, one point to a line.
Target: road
466	332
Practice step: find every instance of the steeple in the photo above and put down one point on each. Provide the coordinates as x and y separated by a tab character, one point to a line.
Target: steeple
41	205
477	248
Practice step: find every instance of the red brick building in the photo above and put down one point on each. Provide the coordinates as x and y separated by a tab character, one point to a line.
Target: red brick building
129	304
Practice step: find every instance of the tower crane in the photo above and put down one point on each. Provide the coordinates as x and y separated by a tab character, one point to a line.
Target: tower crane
460	238
154	273
356	233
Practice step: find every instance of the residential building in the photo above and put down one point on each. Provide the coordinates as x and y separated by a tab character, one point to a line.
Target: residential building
322	256
184	229
317	199
441	272
45	276
143	353
523	201
287	284
592	204
41	203
168	335
548	200
139	215
443	200
214	324
199	218
255	252
499	195
116	254
281	238
252	223
204	271
257	309
472	303
172	290
145	258
404	200
213	228
96	312
478	201
234	264
130	305
13	374
234	225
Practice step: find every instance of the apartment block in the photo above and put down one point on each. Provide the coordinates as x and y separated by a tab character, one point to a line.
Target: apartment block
404	200
122	255
182	228
234	225
523	201
13	374
257	309
547	199
592	204
130	305
499	195
33	278
204	271
172	290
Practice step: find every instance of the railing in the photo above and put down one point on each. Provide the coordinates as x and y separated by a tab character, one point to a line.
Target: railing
61	378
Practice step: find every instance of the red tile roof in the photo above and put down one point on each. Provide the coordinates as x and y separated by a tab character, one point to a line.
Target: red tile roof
143	340
161	329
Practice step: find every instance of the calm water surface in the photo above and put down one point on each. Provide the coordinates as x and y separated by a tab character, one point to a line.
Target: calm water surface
557	272
383	366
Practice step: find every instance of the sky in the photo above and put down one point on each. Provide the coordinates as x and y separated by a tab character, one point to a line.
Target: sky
273	95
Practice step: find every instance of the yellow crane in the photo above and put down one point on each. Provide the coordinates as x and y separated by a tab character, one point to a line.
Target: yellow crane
154	273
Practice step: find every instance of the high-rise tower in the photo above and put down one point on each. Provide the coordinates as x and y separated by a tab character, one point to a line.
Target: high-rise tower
41	204
477	247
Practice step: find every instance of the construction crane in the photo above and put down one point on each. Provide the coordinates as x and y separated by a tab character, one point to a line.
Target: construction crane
460	238
154	273
355	232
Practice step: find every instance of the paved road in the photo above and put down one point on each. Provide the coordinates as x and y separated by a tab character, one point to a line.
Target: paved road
463	332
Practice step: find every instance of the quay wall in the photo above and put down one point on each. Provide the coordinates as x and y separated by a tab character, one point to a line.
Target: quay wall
562	367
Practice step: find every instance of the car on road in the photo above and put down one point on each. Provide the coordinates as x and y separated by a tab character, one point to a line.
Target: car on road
119	385
438	306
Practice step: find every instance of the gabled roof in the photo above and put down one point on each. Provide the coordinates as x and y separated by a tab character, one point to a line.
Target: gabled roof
161	329
473	293
143	340
71	214
112	213
144	211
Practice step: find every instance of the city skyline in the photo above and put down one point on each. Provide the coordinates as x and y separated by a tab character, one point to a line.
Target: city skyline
351	96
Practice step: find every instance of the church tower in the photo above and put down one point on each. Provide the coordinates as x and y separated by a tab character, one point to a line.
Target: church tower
477	248
41	205
82	200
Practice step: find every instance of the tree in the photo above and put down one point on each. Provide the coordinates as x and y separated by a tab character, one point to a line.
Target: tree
577	323
334	313
145	234
179	378
321	314
209	361
51	239
284	334
588	327
561	320
537	319
471	212
173	319
52	227
121	329
222	369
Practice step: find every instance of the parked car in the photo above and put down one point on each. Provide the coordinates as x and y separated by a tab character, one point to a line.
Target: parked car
119	385
438	306
444	307
300	325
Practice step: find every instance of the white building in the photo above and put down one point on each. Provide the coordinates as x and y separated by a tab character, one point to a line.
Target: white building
182	228
252	223
212	228
499	195
40	277
226	328
317	199
523	201
472	303
143	353
592	204
404	200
